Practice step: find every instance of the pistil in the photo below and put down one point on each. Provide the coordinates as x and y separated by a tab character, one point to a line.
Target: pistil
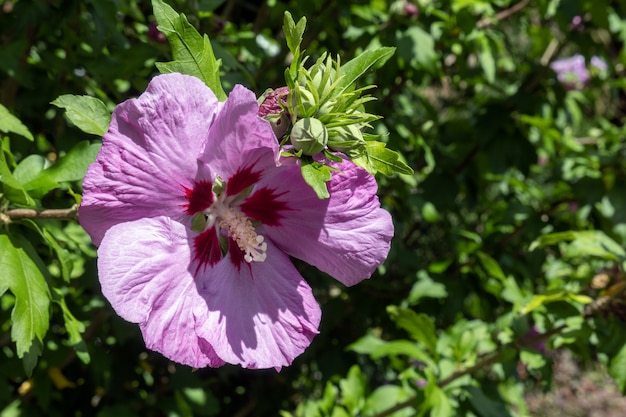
241	230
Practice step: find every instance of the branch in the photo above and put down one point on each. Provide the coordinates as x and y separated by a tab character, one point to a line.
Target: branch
485	362
45	214
503	15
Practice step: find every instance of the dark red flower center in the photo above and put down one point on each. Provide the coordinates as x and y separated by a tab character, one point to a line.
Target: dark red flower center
228	218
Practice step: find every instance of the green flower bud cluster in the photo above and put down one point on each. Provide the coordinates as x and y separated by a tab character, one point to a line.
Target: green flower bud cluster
309	135
319	95
326	115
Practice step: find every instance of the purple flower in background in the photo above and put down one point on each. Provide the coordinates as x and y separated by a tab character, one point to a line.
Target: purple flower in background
533	339
411	10
577	23
155	34
571	72
195	222
598	63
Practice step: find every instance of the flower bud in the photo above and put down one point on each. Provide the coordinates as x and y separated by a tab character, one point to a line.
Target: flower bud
272	109
318	77
346	137
326	107
301	101
309	135
272	101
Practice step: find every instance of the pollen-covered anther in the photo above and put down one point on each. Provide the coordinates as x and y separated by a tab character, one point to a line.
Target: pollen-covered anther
241	230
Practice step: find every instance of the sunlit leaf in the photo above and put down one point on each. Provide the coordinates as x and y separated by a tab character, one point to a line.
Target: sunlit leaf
436	400
22	275
541	299
361	64
583	243
192	53
89	114
293	33
11	187
73	165
417	47
74	327
491	266
353	390
316	175
11	124
377	157
424	287
387	396
419	326
486	59
70	167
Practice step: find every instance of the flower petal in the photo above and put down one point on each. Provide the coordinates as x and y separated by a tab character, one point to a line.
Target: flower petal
347	235
239	139
262	314
149	154
144	273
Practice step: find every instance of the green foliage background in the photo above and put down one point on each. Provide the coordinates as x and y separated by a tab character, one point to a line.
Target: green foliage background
509	236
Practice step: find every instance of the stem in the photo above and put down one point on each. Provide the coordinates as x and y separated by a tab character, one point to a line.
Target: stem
503	15
45	214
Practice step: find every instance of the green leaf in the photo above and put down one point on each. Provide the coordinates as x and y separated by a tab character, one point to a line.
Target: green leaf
340	412
426	287
419	326
70	167
353	390
532	359
617	369
293	33
22	275
192	53
73	165
11	124
486	58
378	348
29	360
417	47
29	168
485	406
29	174
385	397
491	266
541	299
316	175
377	158
63	255
89	114
11	187
357	67
584	243
327	402
183	406
436	400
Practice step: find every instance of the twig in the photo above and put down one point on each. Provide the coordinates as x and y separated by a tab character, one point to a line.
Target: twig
503	15
485	362
45	214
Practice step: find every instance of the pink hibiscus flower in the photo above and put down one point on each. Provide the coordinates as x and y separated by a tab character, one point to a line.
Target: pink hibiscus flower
195	222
